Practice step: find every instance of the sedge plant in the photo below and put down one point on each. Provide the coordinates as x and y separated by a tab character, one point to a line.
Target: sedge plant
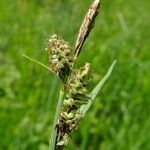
74	97
74	100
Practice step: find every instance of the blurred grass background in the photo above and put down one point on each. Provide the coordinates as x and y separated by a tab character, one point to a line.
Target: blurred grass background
119	119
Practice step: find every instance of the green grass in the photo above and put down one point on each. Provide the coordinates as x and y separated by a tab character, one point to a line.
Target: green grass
119	119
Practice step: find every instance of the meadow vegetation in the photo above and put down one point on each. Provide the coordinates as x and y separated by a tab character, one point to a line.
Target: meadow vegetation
119	118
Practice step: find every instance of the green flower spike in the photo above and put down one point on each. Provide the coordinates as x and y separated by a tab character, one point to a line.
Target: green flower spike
60	56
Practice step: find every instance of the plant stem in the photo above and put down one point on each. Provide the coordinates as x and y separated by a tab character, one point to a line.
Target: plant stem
57	113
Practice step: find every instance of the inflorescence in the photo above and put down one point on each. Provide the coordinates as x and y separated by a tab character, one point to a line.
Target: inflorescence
75	81
60	56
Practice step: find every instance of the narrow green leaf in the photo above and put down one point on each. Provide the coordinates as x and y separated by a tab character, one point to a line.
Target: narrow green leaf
57	114
39	63
96	90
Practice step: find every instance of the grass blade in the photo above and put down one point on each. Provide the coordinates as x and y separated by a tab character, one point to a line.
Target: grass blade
57	113
97	89
39	63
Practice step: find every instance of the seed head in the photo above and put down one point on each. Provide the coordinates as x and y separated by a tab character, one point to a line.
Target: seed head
60	56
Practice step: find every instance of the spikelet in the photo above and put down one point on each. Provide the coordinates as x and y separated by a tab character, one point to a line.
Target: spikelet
87	25
60	56
76	95
77	81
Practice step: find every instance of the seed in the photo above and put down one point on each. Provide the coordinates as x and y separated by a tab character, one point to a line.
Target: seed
68	102
68	115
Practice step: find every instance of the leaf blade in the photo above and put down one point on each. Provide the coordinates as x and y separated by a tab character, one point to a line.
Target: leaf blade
96	90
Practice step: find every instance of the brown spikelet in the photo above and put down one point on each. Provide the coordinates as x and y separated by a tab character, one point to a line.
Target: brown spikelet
87	25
